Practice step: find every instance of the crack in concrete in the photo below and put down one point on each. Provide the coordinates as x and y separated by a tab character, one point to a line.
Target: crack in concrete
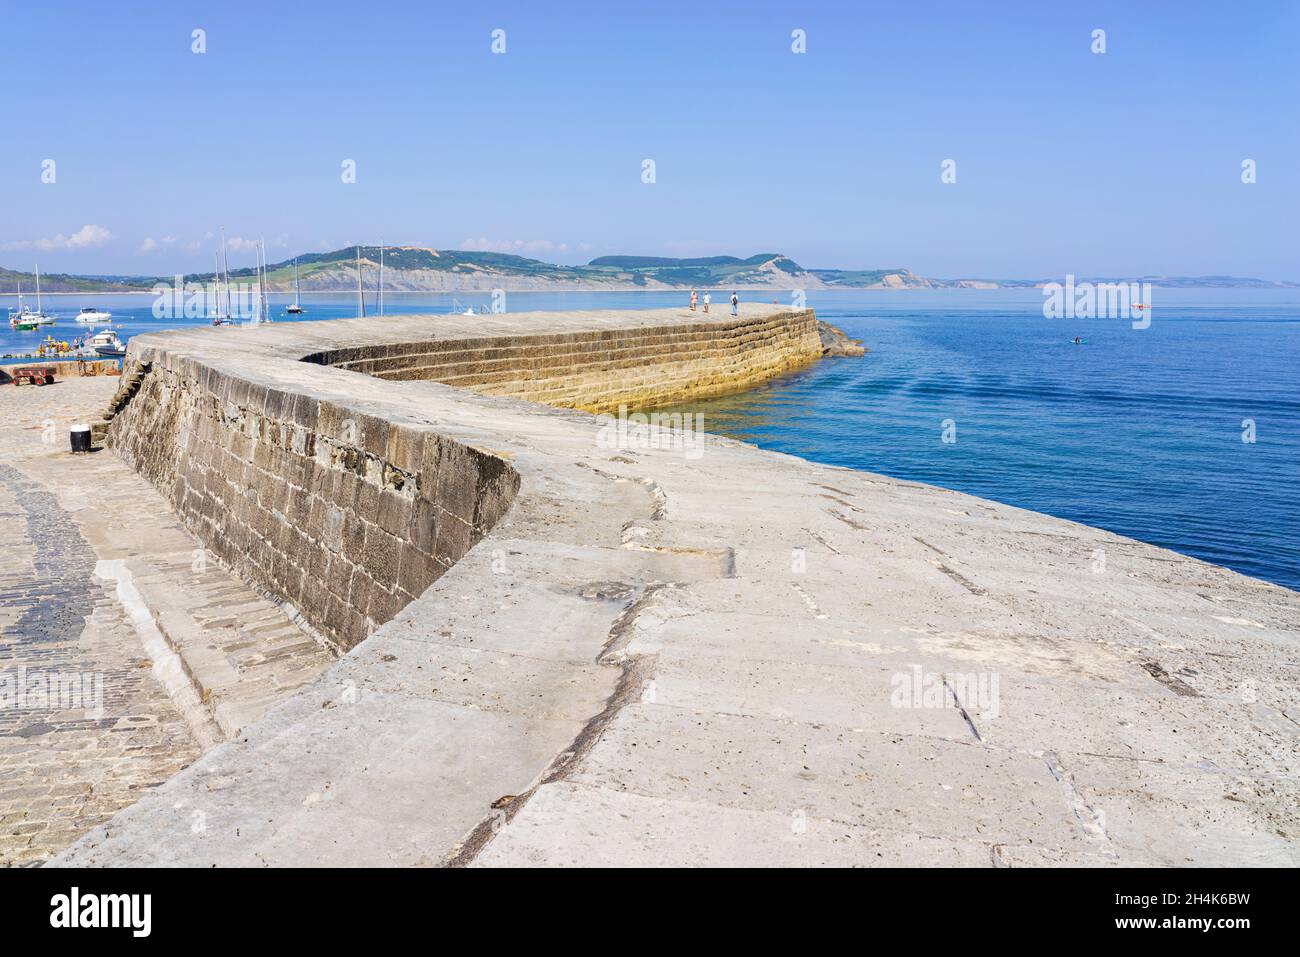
845	519
632	681
1174	683
812	605
1090	819
970	722
962	580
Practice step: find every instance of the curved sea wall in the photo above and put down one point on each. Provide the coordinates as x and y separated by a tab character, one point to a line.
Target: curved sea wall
350	515
714	655
600	370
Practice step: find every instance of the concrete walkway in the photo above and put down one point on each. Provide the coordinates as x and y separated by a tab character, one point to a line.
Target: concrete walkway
744	658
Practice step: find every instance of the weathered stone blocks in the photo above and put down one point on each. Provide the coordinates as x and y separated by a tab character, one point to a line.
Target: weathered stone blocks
350	512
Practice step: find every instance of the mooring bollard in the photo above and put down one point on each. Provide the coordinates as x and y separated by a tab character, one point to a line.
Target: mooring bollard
81	438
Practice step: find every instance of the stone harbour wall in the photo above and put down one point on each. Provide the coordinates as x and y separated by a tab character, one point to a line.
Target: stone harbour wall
346	516
600	370
337	505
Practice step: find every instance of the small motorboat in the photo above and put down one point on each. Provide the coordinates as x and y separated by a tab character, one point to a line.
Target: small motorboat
94	317
107	344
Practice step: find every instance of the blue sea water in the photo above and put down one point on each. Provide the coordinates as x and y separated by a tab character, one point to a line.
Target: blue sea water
1138	431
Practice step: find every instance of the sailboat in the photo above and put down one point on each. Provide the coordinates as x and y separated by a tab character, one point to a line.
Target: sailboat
218	319
263	307
23	319
225	273
16	314
296	308
41	318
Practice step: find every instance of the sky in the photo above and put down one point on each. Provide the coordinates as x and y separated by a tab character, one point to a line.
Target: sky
1122	163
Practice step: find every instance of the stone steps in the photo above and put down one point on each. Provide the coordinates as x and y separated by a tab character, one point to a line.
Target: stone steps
128	386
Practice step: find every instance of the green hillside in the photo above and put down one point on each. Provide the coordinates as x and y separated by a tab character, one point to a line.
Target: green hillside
62	282
417	267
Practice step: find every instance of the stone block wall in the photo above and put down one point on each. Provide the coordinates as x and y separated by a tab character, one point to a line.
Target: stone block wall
346	516
601	370
350	516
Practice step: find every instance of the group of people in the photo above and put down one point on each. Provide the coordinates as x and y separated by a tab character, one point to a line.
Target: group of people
708	298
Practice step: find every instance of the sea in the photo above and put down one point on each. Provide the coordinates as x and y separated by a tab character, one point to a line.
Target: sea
1184	434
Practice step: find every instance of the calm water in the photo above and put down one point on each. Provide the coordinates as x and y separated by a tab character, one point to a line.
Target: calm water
1138	431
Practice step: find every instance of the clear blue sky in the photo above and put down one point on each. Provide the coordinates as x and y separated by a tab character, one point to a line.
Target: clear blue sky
1120	164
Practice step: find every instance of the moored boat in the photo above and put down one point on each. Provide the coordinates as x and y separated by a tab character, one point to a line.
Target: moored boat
296	308
107	344
39	317
92	316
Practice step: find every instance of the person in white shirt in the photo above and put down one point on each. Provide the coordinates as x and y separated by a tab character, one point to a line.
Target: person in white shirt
708	298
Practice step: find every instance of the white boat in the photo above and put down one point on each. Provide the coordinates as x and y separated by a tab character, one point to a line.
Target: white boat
38	317
24	319
218	317
458	308
94	317
296	308
106	343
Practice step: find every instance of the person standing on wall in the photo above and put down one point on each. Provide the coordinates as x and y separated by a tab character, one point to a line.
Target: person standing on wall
735	304
708	298
694	299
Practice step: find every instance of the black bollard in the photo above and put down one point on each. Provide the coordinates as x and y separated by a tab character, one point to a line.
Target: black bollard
81	438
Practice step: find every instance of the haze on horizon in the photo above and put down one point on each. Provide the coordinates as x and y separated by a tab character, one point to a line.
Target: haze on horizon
1067	161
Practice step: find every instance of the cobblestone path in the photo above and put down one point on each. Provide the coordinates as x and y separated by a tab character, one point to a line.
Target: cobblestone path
84	727
111	731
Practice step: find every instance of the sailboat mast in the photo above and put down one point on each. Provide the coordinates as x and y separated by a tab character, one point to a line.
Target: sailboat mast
225	268
216	286
381	277
266	306
39	310
297	290
361	294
